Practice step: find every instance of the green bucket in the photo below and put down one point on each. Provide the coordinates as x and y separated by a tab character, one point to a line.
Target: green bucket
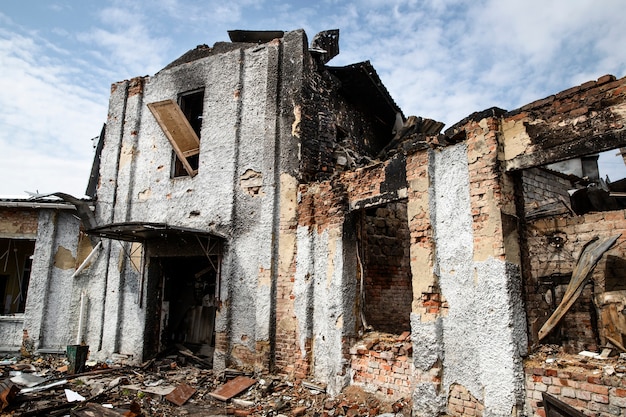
76	355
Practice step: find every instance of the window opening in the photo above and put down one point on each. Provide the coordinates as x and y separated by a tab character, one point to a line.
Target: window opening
15	266
192	105
567	205
181	122
384	244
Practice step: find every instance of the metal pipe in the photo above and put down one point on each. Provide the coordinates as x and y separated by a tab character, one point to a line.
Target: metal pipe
81	318
87	259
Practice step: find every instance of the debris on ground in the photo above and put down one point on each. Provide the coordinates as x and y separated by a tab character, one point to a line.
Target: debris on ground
176	385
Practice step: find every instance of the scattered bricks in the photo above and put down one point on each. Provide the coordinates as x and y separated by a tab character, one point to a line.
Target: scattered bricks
594	380
552	372
541	412
539	371
541	387
299	411
546	380
583	395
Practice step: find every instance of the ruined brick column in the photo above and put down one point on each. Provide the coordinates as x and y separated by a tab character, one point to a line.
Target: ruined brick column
428	303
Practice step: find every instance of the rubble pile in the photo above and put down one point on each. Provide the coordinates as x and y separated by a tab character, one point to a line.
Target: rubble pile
176	385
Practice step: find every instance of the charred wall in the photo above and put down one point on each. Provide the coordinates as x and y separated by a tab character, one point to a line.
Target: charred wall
337	133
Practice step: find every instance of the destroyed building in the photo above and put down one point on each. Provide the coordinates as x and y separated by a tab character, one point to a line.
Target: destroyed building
272	212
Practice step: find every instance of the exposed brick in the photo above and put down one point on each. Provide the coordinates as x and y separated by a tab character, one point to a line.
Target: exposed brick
598	389
617	401
618	392
554	390
568	392
603	399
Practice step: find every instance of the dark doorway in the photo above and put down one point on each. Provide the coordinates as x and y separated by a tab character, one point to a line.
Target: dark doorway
186	293
384	245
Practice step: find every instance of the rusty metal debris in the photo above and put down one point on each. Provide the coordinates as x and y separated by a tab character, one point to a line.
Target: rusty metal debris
232	388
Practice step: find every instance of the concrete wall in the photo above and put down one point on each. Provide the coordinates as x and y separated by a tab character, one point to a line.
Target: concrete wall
248	116
50	318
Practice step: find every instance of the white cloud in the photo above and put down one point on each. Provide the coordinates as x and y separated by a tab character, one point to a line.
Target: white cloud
47	120
127	41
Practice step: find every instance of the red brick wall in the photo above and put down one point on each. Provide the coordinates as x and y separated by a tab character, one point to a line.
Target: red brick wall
462	403
14	221
591	391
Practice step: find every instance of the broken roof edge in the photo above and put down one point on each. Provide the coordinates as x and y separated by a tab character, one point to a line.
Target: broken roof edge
239	38
477	116
9	202
605	79
546	101
366	68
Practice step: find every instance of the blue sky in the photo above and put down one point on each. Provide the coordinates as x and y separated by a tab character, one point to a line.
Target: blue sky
441	59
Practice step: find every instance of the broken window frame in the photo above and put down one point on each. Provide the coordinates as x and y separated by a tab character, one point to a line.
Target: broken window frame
182	133
21	257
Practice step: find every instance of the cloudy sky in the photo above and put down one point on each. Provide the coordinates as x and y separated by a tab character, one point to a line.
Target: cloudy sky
441	59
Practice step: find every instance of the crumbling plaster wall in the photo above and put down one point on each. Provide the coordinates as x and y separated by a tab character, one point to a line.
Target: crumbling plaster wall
324	291
249	99
483	296
52	304
15	224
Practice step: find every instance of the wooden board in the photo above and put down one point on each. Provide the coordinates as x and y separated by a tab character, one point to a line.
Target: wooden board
591	253
178	131
233	388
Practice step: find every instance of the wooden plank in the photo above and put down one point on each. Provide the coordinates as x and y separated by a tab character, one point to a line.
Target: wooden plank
233	388
591	253
177	130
